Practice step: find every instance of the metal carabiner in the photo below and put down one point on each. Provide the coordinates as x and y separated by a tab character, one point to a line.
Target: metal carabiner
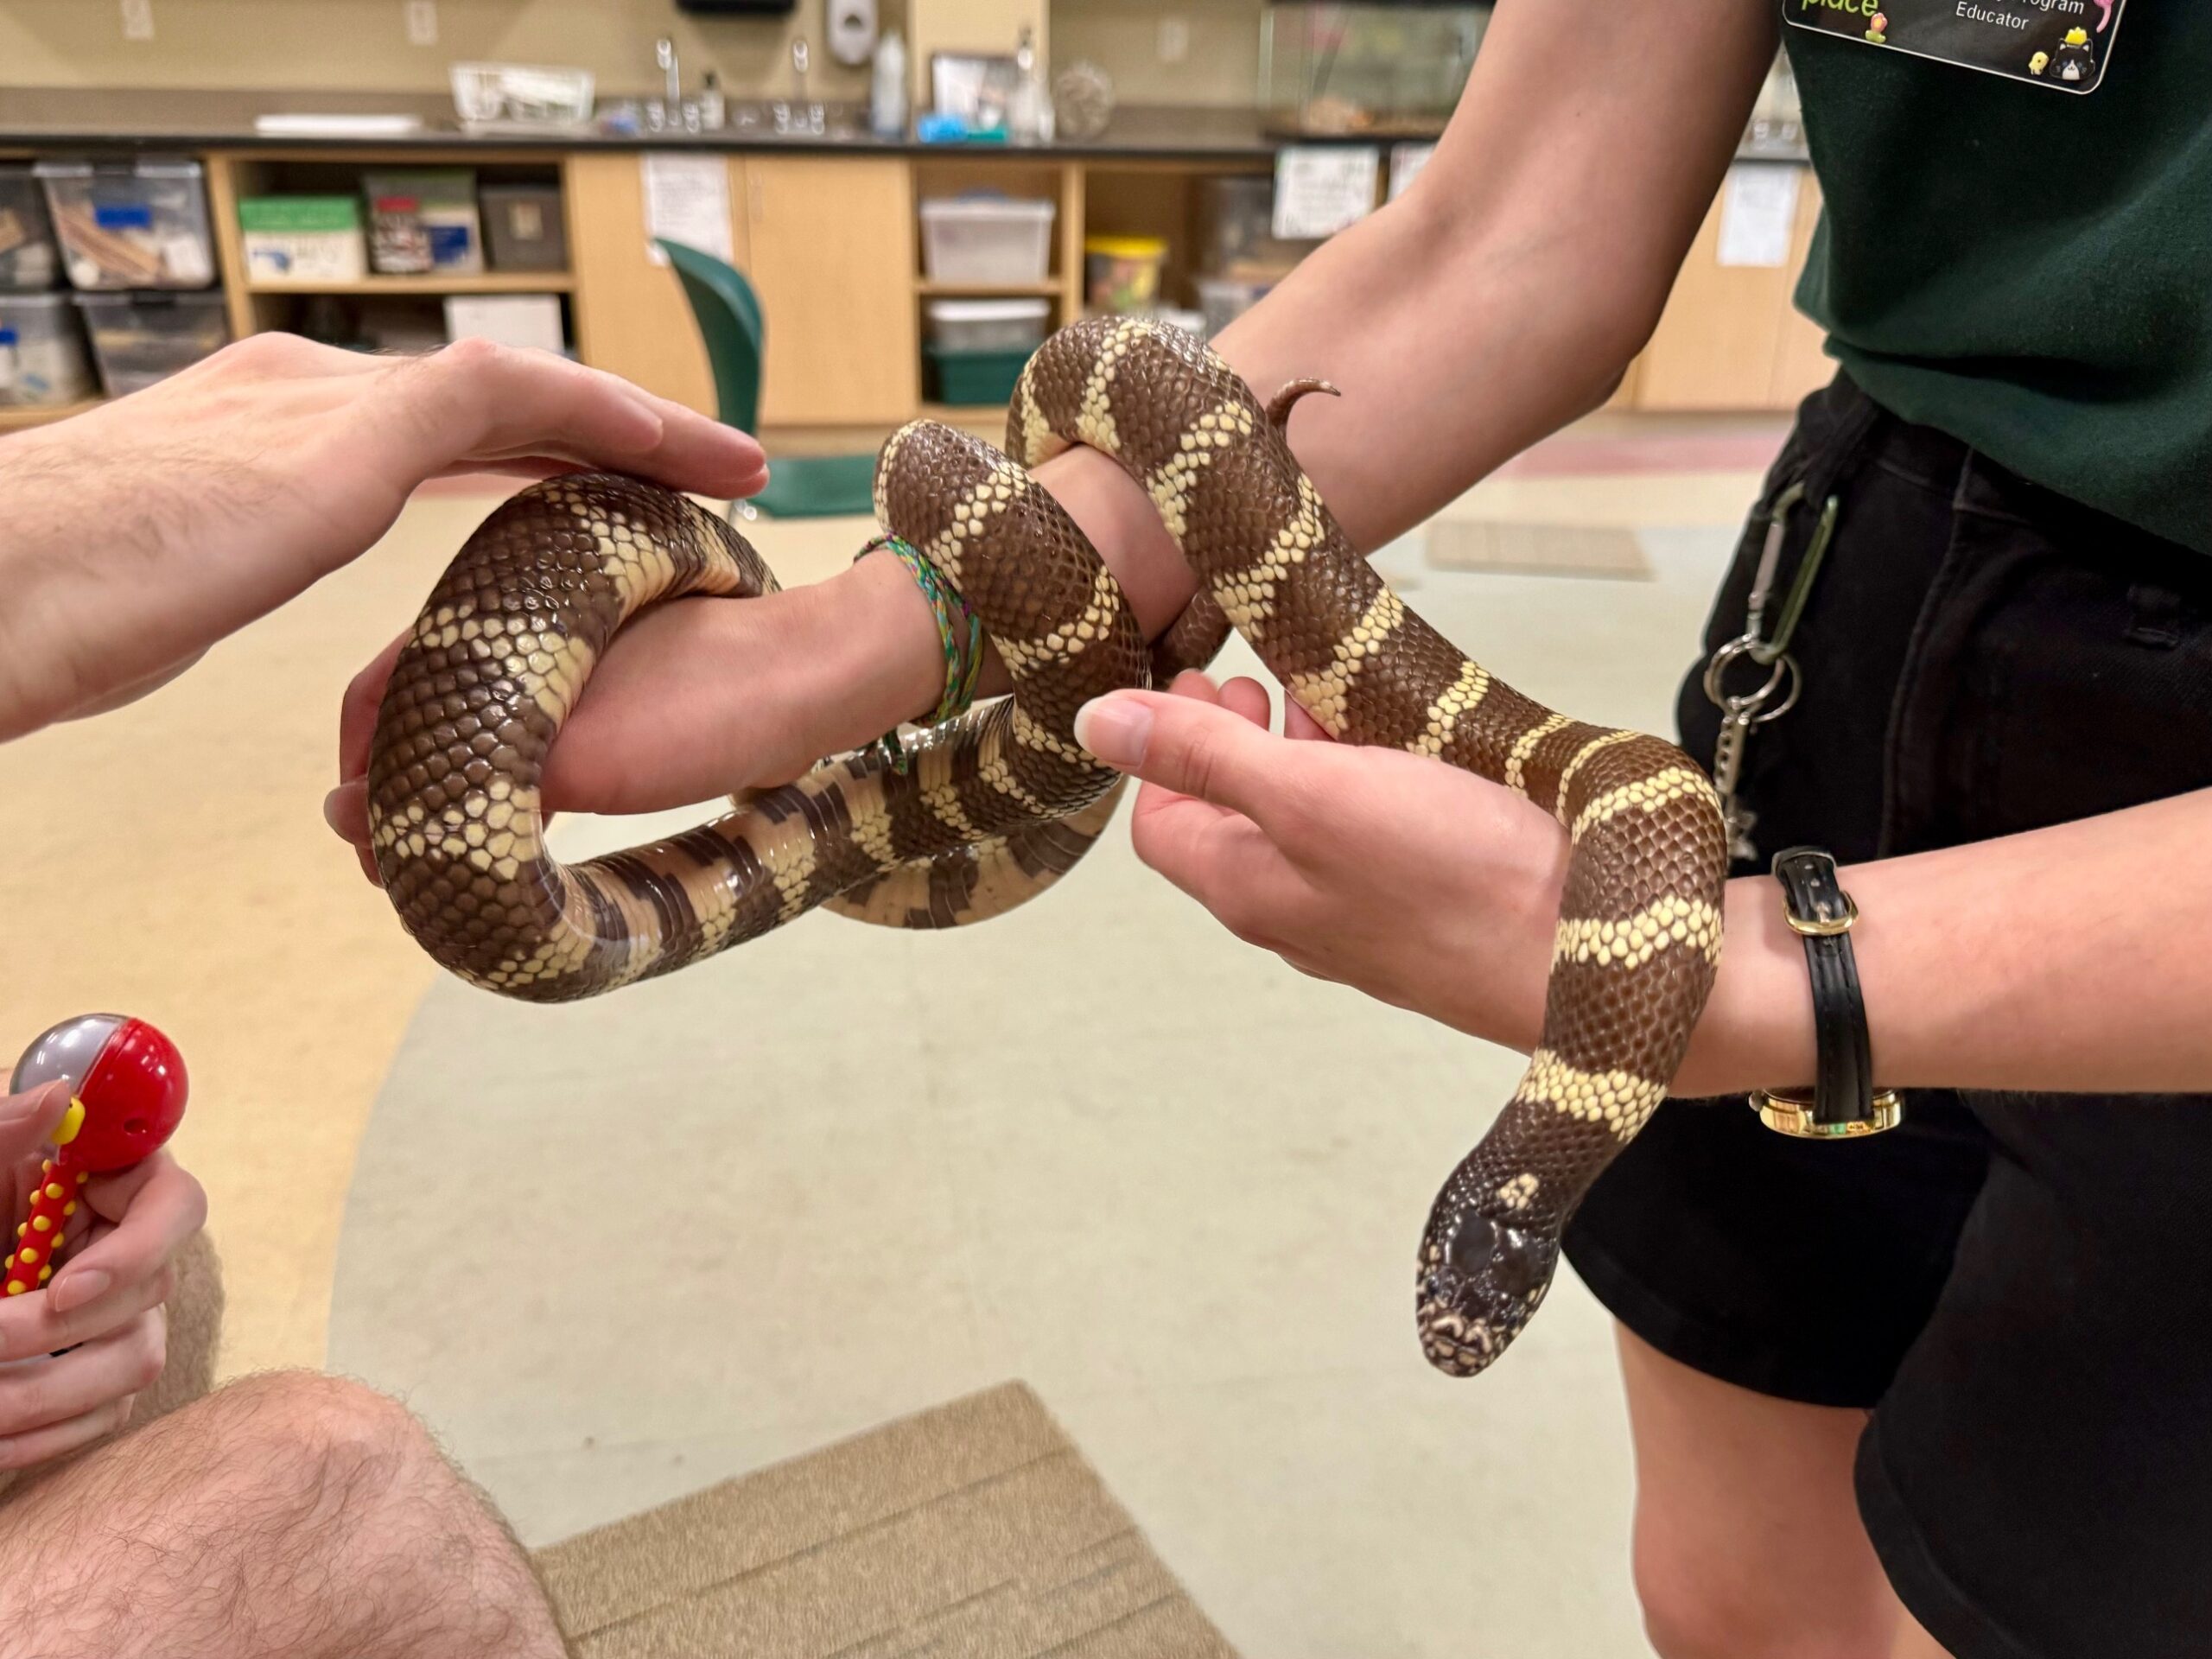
1750	707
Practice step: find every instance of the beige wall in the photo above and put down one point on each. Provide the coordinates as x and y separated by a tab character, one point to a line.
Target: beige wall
361	44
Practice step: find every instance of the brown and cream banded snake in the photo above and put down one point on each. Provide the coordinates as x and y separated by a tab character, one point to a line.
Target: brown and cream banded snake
999	804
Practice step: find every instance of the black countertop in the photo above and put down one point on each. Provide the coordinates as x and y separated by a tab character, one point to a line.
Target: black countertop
48	118
93	119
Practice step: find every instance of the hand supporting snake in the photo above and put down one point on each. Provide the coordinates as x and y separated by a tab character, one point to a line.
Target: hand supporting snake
1001	802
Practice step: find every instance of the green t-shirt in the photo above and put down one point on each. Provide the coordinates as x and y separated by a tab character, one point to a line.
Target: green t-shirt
2025	269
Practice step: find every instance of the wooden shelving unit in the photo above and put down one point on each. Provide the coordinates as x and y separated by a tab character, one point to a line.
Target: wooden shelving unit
829	244
1051	287
14	418
433	286
990	415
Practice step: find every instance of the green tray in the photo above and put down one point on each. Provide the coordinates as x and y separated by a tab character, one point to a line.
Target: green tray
980	378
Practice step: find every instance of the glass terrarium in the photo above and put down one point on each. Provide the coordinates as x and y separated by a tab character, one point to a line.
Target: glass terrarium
1392	69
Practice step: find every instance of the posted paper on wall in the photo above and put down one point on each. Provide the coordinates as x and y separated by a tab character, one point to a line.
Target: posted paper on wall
1759	211
1321	188
687	200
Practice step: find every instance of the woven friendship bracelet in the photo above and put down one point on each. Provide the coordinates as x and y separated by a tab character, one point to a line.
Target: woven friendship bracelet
959	631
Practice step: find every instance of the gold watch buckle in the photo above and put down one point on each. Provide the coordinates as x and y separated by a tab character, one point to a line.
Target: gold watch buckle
1789	1111
1823	926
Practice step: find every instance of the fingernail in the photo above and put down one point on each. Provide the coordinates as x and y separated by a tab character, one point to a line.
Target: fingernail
330	808
1114	730
74	1290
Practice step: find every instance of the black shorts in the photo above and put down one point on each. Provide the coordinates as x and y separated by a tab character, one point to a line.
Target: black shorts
2018	1287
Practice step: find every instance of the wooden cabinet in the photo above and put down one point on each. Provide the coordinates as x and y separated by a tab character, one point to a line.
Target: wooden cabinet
828	246
833	258
1730	338
631	318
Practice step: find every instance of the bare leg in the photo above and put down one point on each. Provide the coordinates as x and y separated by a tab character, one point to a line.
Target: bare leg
194	1326
1748	1540
1913	1642
195	1309
288	1514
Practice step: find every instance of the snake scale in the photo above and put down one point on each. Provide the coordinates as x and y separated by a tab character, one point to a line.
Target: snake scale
999	804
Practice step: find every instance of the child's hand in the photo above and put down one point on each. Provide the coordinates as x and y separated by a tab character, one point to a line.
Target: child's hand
107	1303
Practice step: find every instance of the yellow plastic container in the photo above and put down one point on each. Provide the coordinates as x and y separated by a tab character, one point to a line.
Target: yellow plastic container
1121	273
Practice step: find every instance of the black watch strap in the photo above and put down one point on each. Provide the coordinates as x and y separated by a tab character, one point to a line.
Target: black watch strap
1844	1100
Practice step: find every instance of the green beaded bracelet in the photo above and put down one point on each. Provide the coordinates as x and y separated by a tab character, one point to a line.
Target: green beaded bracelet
962	640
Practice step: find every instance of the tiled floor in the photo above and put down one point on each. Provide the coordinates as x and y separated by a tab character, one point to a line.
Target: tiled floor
616	1250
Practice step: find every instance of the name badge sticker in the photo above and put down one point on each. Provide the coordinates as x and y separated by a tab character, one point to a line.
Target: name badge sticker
2062	44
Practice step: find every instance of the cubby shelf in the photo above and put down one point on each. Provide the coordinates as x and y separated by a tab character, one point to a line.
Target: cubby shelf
490	282
13	417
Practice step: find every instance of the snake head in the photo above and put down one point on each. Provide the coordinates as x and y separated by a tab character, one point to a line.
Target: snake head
1481	1279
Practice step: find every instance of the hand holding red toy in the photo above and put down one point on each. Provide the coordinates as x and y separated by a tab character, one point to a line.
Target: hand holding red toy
127	1088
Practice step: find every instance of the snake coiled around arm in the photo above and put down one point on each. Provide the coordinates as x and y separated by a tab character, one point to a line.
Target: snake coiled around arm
998	805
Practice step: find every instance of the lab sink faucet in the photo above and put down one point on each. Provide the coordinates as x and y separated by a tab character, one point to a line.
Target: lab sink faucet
800	115
672	76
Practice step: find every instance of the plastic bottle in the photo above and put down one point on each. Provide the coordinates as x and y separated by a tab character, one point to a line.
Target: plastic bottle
1029	112
887	105
713	108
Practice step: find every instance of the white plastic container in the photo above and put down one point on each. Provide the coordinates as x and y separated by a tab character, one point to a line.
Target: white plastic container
303	238
527	320
140	223
887	103
987	240
42	357
520	94
988	325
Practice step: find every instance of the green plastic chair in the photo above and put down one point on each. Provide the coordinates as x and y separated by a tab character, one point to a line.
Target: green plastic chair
729	315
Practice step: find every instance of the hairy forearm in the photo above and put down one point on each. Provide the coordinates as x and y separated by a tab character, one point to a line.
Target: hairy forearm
2068	959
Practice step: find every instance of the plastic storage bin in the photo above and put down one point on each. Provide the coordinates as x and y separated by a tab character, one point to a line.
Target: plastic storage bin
303	238
526	320
523	229
140	223
972	378
142	338
29	258
987	240
42	359
1222	300
1121	273
424	221
1237	211
988	325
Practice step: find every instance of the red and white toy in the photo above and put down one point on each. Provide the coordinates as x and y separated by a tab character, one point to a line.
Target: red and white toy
127	1089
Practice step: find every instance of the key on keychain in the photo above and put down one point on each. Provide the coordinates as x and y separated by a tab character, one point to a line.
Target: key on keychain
1739	715
1727	767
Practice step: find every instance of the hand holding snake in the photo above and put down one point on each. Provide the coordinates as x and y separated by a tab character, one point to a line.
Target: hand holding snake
1001	802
